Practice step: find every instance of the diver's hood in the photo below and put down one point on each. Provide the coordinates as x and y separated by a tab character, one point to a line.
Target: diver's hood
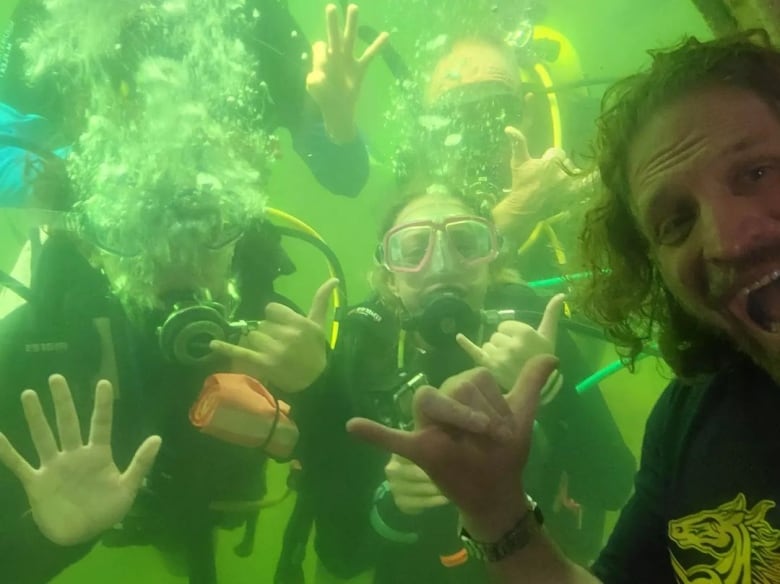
443	314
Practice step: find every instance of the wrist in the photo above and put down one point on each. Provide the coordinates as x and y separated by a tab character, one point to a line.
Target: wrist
511	541
490	522
341	127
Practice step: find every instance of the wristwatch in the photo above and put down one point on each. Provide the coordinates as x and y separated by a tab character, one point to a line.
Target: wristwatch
515	539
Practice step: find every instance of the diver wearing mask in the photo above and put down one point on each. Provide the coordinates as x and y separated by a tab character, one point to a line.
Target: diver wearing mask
106	303
443	299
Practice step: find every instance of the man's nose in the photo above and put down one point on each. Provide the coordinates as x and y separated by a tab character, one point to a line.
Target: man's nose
733	227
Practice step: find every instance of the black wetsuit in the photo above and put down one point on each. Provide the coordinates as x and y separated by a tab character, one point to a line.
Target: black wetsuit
706	495
357	524
57	332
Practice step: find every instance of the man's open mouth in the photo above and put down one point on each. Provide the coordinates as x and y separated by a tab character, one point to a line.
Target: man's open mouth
762	302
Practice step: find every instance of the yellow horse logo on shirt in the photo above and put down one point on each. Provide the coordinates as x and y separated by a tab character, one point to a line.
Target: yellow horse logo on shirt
744	546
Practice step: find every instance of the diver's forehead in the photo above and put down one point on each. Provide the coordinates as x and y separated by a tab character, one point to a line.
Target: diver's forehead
694	135
431	208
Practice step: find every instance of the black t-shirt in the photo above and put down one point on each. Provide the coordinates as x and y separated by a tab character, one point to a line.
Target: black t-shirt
342	475
704	509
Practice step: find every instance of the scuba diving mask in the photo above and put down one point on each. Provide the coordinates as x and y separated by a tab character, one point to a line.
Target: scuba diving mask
409	247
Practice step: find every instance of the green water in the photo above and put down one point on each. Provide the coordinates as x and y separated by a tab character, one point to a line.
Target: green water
610	36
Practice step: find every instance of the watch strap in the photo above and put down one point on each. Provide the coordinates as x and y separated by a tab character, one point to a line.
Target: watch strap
513	540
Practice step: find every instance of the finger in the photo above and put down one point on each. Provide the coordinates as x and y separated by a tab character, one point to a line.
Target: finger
102	414
388	439
314	81
318	313
408	472
281	313
414	489
520	152
419	503
548	328
142	463
319	57
350	29
372	50
269	332
523	399
65	411
554	154
14	461
272	341
473	398
241	353
475	352
334	35
512	328
499	339
434	406
40	430
491	392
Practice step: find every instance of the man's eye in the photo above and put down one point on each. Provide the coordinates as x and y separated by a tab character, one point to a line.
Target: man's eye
674	229
757	173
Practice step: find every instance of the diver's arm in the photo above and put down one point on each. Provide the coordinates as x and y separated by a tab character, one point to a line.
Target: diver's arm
28	557
279	43
539	561
341	168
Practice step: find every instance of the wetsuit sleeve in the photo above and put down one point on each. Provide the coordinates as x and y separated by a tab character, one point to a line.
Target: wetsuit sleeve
636	550
341	168
27	557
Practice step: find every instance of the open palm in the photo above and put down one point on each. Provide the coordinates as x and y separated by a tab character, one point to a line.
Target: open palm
78	492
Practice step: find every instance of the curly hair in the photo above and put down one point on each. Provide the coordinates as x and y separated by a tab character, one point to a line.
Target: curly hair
500	269
626	293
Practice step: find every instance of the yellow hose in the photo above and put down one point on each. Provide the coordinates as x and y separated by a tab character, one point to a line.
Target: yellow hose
304	227
552	100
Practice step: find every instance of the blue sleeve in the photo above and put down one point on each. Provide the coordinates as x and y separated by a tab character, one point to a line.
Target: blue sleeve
340	168
25	142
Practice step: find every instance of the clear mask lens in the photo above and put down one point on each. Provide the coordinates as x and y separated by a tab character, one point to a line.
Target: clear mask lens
409	248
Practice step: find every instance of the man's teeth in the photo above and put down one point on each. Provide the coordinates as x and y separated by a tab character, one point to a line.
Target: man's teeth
768	279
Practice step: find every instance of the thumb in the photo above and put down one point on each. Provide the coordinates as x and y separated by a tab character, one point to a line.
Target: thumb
520	153
474	351
548	328
318	313
389	439
142	462
523	399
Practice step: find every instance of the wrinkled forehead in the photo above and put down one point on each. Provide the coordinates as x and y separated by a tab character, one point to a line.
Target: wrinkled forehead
694	134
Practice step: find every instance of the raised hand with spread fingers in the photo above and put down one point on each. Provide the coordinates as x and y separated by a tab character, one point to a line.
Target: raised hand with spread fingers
78	492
